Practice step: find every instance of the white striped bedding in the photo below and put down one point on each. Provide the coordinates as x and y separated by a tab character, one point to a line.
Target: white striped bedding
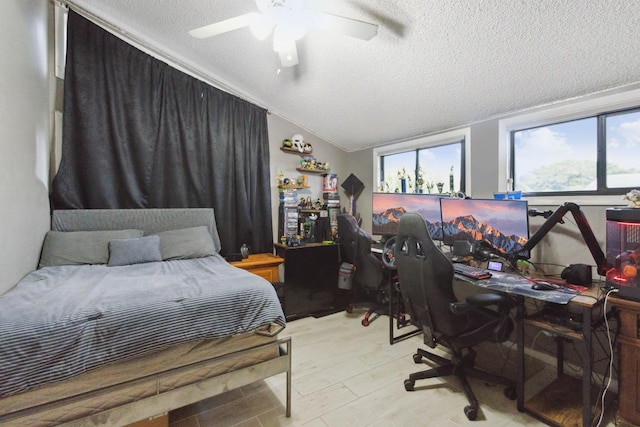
62	321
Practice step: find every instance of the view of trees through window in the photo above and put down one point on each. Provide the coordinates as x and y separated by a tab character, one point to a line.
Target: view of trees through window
435	169
594	154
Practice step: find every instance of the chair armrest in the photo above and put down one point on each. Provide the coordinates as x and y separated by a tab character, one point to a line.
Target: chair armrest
479	300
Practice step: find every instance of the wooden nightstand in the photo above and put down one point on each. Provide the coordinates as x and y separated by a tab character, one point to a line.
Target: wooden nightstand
263	265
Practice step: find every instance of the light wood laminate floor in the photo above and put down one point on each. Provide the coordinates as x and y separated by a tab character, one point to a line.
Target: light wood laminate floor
345	374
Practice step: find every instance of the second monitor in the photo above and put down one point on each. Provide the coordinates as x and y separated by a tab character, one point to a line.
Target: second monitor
503	224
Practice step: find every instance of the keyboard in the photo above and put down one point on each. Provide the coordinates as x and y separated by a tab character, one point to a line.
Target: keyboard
469	271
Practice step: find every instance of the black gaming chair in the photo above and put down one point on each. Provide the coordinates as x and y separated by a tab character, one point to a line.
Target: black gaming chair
426	283
370	280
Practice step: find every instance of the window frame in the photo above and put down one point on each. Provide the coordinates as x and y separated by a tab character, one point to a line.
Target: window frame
428	141
584	107
601	156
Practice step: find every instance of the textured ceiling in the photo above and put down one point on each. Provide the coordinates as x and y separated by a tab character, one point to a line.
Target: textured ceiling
434	65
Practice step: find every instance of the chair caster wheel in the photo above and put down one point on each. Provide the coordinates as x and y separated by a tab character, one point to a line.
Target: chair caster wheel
470	412
365	322
510	393
349	309
408	385
417	358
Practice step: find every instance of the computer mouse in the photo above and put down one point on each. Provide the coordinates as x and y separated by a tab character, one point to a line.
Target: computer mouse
544	286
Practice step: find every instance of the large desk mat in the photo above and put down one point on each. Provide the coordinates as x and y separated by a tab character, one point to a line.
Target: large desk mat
519	285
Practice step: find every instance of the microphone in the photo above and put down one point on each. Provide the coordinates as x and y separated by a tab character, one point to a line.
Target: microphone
482	251
538	212
486	254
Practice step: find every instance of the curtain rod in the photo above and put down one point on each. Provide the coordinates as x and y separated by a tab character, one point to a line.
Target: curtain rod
153	51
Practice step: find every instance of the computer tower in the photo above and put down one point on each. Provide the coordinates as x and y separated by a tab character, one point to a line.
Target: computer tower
623	251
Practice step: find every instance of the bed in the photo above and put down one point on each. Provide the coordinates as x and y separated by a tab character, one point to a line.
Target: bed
133	313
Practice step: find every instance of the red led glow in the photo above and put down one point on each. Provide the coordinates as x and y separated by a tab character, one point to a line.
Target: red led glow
625	223
621	279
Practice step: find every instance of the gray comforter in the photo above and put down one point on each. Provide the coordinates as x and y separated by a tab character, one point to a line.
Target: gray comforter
62	321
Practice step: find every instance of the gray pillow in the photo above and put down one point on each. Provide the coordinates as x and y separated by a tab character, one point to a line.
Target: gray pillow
80	247
134	251
185	243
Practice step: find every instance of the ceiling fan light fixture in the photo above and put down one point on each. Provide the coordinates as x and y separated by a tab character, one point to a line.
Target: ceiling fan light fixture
289	58
261	26
281	42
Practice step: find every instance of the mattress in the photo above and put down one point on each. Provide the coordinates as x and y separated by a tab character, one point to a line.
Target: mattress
139	378
108	315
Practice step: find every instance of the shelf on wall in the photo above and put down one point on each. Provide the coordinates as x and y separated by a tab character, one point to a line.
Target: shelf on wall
294	151
312	170
293	187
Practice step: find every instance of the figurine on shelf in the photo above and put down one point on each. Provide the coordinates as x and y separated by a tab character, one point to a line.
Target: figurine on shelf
297	142
633	197
286	143
307	148
310	163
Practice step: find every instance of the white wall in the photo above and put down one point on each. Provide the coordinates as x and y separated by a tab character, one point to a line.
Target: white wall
24	136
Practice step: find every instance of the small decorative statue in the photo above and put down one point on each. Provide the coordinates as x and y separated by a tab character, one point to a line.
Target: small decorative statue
633	197
451	190
430	185
297	142
420	181
244	250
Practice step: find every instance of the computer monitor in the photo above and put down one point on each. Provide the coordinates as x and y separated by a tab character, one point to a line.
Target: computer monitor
503	224
388	208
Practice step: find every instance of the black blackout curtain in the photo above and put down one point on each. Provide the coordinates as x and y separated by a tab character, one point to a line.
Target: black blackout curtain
138	133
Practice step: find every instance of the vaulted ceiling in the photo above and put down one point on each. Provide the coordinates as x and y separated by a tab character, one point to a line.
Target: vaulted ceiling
432	66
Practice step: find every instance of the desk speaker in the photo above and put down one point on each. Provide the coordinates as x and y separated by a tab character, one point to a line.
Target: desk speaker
577	274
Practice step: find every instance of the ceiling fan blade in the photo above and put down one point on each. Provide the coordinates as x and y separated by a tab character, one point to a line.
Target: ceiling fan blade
224	26
347	26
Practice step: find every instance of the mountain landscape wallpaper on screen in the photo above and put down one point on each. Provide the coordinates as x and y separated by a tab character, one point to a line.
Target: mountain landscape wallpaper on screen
470	229
501	223
389	208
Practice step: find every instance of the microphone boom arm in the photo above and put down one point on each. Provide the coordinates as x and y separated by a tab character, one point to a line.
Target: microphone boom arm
585	230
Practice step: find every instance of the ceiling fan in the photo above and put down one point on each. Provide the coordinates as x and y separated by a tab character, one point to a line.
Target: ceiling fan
289	20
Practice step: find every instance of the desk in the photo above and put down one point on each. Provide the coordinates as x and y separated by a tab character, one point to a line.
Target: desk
310	279
587	302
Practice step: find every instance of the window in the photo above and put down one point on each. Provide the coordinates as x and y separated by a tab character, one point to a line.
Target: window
433	169
593	155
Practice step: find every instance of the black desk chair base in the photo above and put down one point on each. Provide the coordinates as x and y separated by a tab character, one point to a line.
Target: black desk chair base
370	278
460	367
372	310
